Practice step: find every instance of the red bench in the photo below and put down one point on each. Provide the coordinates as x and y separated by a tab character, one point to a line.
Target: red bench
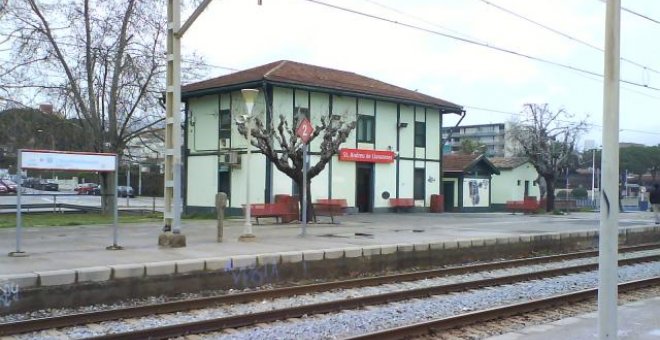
279	211
333	201
405	203
330	207
527	206
329	210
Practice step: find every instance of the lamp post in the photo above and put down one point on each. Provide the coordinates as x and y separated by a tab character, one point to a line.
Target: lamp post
249	95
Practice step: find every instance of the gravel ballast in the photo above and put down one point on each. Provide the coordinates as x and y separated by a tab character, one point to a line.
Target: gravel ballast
360	321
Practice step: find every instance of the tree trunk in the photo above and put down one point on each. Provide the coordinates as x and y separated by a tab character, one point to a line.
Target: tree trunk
310	211
107	192
550	192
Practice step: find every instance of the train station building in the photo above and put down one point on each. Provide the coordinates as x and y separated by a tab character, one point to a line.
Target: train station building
394	152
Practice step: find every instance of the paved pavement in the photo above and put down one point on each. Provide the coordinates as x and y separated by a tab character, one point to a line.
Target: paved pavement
56	248
639	320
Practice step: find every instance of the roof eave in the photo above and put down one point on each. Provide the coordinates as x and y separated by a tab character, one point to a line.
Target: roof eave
227	88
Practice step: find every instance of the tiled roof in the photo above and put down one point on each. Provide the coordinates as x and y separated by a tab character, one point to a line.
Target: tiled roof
508	162
294	73
458	162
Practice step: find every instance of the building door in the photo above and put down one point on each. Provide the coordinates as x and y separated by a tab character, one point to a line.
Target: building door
364	186
526	189
448	192
224	180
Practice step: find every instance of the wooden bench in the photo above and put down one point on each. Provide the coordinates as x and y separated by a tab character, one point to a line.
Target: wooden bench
278	211
328	210
334	201
405	203
525	207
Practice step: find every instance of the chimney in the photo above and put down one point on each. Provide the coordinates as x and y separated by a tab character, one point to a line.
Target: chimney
46	108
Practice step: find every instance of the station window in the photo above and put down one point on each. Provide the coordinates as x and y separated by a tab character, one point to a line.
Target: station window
419	187
365	129
420	134
225	124
301	111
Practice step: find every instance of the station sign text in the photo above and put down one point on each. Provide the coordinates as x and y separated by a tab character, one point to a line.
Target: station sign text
366	156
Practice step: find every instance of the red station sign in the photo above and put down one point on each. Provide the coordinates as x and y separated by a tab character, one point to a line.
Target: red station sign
366	156
304	130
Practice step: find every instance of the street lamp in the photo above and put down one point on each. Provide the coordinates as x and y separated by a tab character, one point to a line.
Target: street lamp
249	95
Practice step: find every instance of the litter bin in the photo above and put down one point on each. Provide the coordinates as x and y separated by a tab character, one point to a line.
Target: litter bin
437	203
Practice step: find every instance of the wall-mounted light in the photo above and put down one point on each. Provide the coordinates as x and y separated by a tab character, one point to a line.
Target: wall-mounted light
431	179
402	125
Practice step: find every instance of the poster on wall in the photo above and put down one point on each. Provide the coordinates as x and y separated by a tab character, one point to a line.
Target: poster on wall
475	192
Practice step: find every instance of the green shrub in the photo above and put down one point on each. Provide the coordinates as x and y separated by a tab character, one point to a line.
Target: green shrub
579	193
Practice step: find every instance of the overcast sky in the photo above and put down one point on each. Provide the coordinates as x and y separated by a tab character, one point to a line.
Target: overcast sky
491	85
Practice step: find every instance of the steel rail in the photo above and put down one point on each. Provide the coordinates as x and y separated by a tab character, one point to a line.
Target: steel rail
31	325
217	324
462	320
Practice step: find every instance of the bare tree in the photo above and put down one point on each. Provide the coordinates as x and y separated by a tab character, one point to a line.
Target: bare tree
470	146
283	148
101	61
548	139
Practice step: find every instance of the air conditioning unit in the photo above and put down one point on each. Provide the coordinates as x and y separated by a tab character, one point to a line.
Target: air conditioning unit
231	158
234	158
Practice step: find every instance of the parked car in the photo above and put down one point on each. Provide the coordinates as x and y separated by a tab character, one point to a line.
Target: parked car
3	189
86	188
30	183
123	191
47	186
9	184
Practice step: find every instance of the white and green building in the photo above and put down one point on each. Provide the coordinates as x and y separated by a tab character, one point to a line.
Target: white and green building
402	126
517	180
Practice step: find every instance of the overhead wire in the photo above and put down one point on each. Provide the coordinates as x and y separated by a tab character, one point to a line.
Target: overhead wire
646	17
396	10
565	35
70	44
520	114
473	42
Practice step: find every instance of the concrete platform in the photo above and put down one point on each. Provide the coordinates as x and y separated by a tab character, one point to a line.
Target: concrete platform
639	320
66	248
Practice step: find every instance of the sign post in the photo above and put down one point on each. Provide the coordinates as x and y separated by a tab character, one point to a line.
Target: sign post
19	222
304	131
60	160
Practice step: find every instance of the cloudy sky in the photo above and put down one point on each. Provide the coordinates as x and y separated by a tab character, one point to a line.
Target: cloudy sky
492	85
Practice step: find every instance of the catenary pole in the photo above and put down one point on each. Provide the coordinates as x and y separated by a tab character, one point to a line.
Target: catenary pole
609	200
172	119
172	160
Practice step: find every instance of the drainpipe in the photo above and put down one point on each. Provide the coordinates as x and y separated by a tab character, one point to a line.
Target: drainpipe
442	148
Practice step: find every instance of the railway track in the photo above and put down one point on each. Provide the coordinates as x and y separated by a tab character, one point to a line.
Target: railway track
295	312
462	320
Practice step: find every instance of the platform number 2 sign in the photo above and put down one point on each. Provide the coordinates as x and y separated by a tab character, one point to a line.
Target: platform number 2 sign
304	130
